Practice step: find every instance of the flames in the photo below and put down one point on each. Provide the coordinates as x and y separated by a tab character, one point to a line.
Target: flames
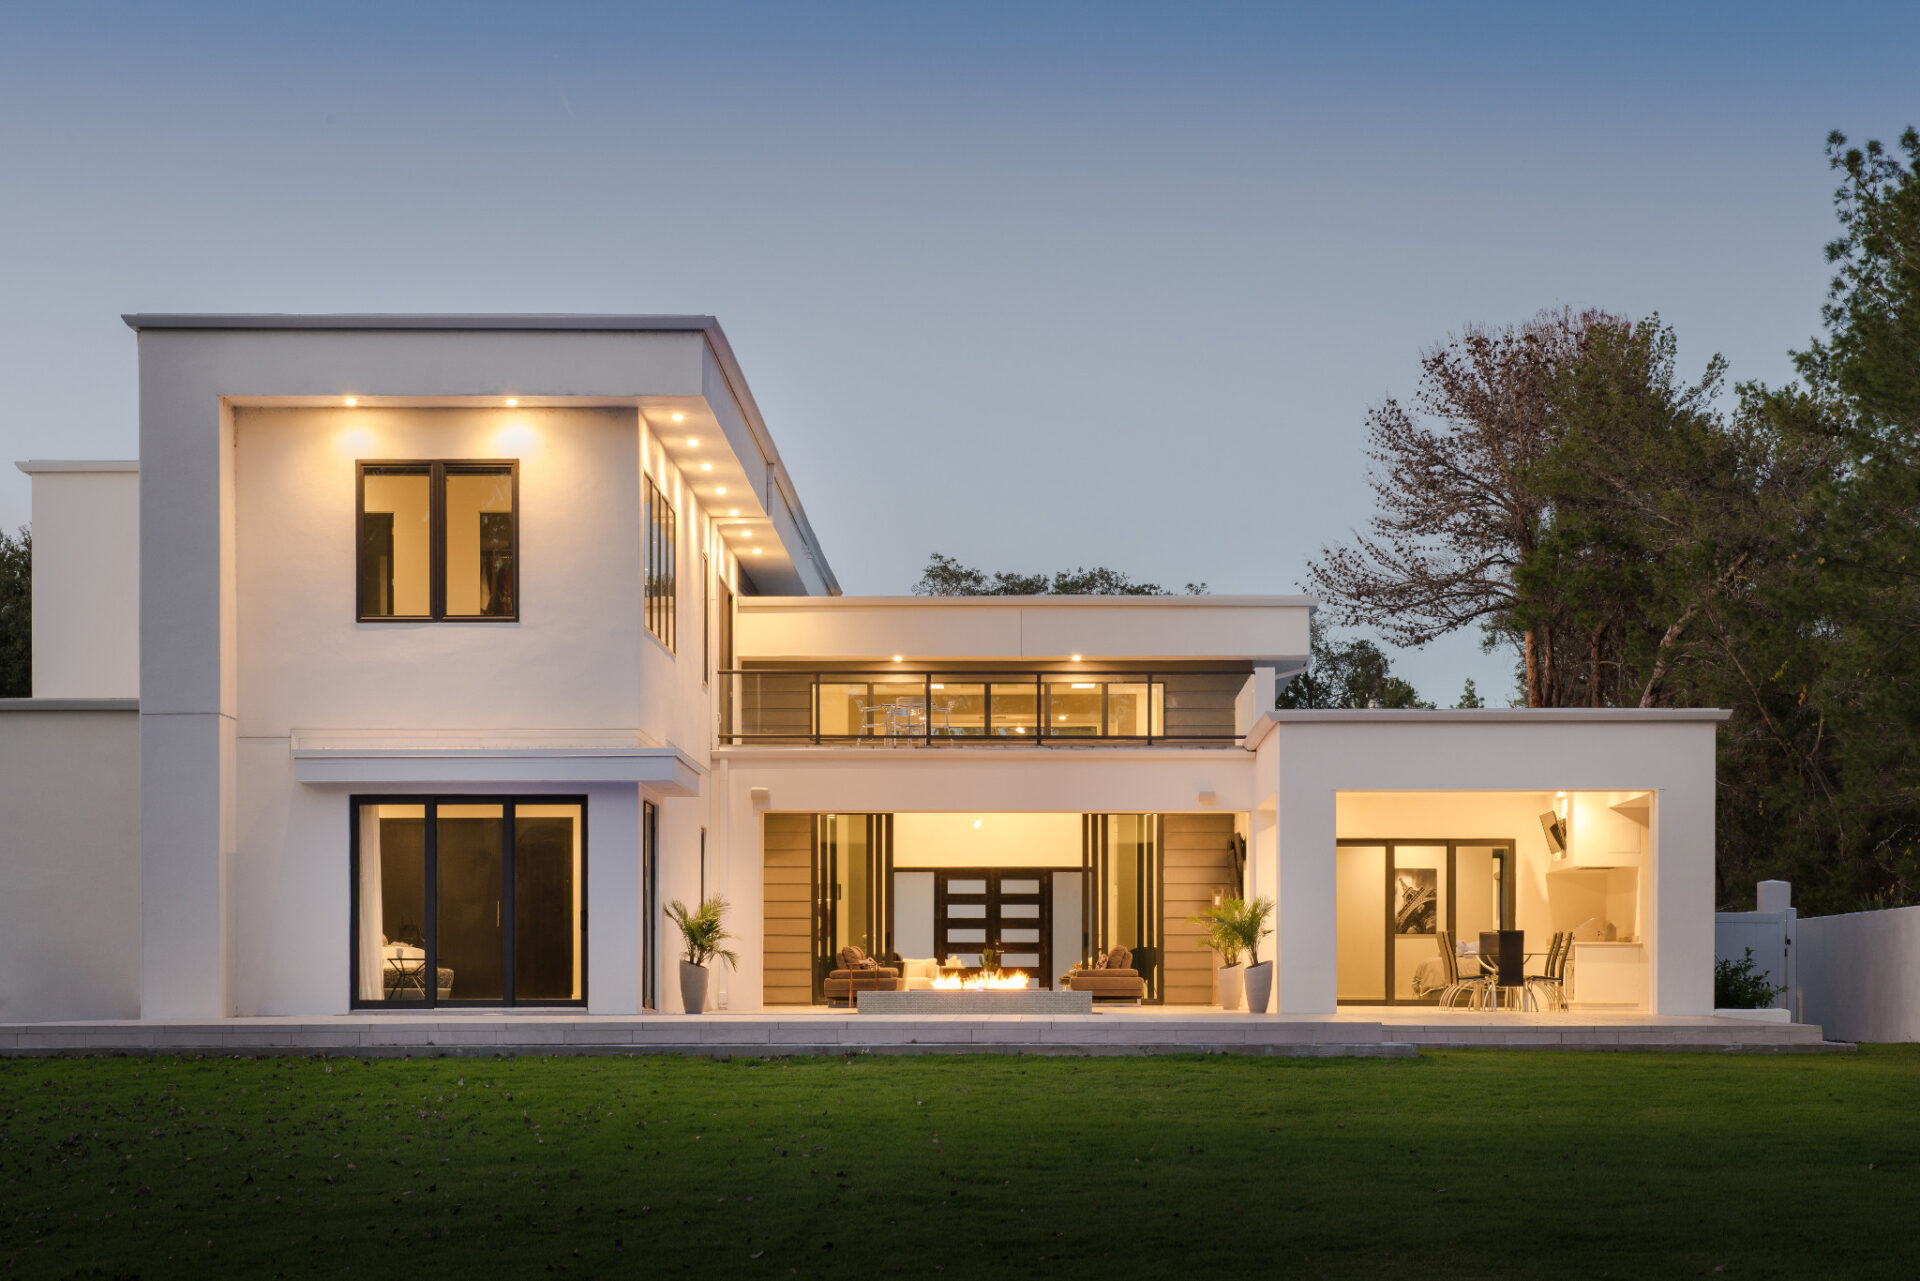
999	981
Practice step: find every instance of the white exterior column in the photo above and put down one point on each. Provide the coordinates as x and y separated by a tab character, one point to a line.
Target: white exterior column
188	685
1680	905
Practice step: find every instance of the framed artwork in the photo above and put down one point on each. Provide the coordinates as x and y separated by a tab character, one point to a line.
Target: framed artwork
1416	900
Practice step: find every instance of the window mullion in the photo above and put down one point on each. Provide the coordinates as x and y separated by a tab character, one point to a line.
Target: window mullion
437	541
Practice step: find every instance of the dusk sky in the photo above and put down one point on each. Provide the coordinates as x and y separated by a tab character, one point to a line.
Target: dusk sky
1036	286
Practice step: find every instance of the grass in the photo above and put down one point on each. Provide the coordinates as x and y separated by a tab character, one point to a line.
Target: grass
1468	1164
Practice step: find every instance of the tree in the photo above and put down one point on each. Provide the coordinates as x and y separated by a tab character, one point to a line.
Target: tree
945	576
16	614
1456	516
1469	696
1349	674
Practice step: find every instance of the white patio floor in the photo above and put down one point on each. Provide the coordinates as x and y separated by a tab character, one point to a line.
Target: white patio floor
1380	1031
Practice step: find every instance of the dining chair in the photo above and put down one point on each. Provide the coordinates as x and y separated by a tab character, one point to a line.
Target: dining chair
1455	986
1503	955
1553	983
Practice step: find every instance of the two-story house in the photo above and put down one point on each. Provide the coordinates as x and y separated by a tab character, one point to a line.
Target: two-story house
419	661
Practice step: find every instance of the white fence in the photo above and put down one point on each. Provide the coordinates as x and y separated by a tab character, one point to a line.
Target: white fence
1769	932
1860	975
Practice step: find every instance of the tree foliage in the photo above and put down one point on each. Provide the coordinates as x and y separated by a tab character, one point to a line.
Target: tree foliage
1350	673
16	614
945	576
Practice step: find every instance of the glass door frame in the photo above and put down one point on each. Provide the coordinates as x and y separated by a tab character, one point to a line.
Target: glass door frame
1096	869
430	803
1507	848
826	880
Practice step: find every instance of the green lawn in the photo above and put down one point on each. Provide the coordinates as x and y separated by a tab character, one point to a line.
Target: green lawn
1468	1164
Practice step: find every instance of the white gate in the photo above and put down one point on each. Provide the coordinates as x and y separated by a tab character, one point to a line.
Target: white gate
1770	935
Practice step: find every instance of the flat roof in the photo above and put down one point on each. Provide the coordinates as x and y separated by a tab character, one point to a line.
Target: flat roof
1029	602
374	321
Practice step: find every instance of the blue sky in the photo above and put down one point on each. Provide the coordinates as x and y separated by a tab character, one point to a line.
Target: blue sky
1033	285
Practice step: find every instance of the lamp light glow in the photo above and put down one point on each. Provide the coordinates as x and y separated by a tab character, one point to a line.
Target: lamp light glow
352	401
512	403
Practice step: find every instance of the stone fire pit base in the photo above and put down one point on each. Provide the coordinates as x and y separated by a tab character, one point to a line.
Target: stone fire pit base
963	1001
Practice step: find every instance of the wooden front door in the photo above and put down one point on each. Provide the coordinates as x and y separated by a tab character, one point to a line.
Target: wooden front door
1014	909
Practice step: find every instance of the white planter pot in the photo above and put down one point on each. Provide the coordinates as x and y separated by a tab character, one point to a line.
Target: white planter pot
693	987
1259	987
1231	981
1758	1016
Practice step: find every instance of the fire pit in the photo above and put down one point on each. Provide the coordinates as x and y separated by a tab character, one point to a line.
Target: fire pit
984	992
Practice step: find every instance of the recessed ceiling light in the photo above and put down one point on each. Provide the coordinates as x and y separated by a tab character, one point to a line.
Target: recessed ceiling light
512	403
1076	658
976	822
756	551
693	442
720	489
1085	685
679	418
897	658
352	401
733	511
706	466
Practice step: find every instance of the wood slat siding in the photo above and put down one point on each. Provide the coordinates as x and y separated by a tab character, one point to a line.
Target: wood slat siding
787	977
1196	858
777	703
1201	704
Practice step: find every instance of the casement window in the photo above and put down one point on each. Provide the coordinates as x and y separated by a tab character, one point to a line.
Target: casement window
662	580
439	541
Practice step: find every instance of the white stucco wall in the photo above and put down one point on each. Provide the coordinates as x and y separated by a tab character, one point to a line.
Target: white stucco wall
86	579
69	861
1860	974
1306	759
1039	627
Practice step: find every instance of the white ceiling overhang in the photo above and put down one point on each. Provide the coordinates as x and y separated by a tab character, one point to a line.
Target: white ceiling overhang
481	757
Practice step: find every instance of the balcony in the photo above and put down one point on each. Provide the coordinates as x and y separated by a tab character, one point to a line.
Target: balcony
956	708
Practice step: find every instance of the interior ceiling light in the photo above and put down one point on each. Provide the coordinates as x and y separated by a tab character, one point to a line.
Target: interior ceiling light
733	511
1059	718
757	551
679	418
693	442
1085	685
720	489
976	822
897	658
352	401
706	466
512	403
1076	658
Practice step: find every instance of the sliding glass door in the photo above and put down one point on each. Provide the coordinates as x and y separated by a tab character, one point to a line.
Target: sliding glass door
463	900
1121	887
1392	899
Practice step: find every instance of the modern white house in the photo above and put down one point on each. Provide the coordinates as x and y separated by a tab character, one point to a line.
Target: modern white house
420	660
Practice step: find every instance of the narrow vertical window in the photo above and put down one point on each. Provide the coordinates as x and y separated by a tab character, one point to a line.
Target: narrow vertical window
706	620
661	580
396	541
478	522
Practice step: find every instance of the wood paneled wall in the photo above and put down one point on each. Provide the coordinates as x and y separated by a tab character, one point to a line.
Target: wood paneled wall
1196	858
788	952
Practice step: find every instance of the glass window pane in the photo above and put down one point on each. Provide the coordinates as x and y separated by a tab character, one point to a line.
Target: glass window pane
469	884
1419	910
1073	708
1014	709
393	899
1127	709
1360	922
959	709
480	551
547	888
395	542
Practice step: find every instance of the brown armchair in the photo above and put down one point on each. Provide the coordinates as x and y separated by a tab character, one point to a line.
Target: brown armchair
858	972
1112	978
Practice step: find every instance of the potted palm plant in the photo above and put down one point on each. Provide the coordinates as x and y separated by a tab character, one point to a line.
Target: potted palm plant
703	934
1224	942
1249	925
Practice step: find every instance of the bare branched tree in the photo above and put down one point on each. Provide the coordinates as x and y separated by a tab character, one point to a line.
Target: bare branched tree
1455	516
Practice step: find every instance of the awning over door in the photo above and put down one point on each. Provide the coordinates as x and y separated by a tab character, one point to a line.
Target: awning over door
480	757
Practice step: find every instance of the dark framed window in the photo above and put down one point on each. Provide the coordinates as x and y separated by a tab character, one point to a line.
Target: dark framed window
662	581
650	906
438	541
468	900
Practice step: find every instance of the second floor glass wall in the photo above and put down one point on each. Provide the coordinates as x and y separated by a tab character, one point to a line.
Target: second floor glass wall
937	707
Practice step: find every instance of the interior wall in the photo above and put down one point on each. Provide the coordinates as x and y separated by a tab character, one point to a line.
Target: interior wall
986	840
1068	927
913	914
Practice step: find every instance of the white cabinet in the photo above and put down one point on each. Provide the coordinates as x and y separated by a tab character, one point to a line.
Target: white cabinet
1610	829
1612	974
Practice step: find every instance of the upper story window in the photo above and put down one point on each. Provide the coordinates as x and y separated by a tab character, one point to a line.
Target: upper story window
439	541
662	581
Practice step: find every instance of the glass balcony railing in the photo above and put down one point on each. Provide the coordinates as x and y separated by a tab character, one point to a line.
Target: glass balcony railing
950	707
